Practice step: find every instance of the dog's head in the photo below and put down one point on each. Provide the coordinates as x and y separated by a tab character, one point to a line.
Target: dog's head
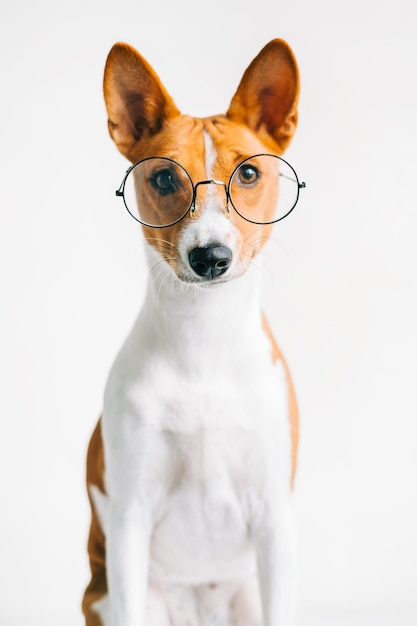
206	207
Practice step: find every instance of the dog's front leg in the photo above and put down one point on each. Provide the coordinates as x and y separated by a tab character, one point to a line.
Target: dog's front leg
275	546
127	546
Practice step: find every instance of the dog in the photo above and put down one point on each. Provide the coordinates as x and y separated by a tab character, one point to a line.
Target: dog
191	466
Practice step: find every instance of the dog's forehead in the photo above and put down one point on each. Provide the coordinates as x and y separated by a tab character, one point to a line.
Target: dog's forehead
206	147
227	144
178	137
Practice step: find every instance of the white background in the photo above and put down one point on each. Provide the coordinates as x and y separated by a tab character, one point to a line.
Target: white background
339	290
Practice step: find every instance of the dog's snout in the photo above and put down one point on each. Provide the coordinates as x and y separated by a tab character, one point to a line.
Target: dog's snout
211	261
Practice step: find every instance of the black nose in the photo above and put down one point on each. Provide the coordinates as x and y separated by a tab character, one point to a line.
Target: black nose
211	261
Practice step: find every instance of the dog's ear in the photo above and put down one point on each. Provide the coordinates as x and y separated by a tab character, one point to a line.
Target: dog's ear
137	102
266	99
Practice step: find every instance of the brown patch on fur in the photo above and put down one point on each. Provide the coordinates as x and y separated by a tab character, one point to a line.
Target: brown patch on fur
292	401
181	140
97	586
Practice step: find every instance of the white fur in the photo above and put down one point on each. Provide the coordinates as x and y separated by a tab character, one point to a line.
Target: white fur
197	447
210	154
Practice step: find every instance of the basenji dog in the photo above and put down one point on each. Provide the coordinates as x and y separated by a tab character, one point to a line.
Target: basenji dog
191	465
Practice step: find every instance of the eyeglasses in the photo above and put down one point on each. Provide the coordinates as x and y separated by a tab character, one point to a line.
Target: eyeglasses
158	192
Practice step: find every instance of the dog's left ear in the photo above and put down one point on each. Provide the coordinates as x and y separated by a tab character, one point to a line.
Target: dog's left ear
137	103
266	99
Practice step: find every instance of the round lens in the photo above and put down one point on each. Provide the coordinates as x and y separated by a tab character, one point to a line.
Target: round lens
264	189
158	192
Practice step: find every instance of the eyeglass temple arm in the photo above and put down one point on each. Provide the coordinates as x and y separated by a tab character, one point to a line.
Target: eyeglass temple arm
121	191
300	185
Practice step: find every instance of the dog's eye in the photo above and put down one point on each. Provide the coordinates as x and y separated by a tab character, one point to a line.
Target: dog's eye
248	174
164	181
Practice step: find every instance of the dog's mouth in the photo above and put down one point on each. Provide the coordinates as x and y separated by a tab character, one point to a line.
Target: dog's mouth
210	266
205	284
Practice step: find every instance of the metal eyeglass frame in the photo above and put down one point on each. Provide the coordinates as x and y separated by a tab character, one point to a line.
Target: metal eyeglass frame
191	208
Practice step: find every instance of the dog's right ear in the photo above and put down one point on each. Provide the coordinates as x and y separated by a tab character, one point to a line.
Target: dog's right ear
137	102
267	96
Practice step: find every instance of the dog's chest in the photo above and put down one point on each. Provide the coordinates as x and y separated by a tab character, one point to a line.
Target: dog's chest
216	434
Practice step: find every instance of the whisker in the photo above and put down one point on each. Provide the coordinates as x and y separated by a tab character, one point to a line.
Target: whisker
159	282
164	250
159	268
159	241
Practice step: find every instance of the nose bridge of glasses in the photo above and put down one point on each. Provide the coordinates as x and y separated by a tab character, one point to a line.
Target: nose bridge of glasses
198	201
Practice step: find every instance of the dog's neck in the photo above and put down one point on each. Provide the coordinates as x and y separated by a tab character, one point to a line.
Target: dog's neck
199	316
